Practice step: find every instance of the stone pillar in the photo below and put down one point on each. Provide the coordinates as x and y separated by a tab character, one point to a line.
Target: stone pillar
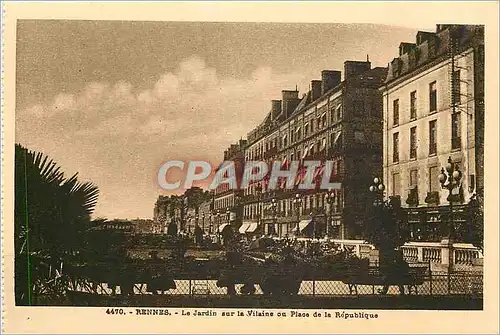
420	254
447	254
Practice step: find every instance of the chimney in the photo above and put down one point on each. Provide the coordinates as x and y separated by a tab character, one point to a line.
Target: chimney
355	68
275	108
290	100
423	36
315	89
329	79
289	95
405	48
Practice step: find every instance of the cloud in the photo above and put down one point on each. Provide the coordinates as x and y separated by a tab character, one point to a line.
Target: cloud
118	136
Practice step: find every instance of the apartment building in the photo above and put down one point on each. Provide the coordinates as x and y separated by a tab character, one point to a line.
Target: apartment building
335	120
433	100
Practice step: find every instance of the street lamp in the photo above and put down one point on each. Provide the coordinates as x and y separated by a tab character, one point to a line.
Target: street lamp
297	202
450	179
378	189
311	214
330	199
258	189
275	219
228	213
203	223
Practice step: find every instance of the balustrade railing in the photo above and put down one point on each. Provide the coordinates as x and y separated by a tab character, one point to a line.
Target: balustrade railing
465	256
432	255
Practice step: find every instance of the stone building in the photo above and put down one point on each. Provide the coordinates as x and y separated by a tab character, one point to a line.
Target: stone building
226	203
336	120
433	100
168	209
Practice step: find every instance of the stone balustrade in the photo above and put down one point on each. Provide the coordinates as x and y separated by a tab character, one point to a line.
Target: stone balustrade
464	255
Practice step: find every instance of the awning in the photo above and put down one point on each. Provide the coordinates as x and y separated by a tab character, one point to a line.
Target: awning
222	227
252	227
306	150
244	227
302	225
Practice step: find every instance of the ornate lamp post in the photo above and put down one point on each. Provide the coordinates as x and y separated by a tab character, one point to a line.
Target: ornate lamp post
450	179
297	202
203	223
378	189
258	190
217	221
274	205
330	199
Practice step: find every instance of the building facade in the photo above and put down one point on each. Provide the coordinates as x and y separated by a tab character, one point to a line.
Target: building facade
336	120
433	100
227	201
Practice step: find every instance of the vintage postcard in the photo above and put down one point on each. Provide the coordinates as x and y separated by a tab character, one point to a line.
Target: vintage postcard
250	167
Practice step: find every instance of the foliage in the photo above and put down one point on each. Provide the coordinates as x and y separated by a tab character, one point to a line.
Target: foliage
385	225
475	226
52	213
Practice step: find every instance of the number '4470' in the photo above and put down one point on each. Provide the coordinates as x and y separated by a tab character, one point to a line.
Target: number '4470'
115	311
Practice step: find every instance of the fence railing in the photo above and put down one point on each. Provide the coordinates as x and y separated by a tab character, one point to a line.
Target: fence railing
435	284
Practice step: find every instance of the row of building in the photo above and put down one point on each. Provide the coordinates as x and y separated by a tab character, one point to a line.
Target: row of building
401	123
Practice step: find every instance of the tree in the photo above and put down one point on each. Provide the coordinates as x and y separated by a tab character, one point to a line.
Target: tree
52	213
385	225
475	222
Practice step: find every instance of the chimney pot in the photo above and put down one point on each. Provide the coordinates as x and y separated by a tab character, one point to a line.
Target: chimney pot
355	68
329	79
316	89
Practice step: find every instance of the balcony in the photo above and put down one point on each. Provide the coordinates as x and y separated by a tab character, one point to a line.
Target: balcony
432	198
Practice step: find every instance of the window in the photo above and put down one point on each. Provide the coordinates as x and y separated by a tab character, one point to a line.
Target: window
323	120
285	141
413	142
432	137
395	147
413	178
433	179
306	129
432	97
395	112
413	105
396	184
339	113
455	88
455	131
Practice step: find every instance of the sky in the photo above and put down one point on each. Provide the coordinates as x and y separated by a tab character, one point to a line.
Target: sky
114	100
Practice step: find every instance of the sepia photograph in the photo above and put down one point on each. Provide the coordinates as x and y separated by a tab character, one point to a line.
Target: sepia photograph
182	167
